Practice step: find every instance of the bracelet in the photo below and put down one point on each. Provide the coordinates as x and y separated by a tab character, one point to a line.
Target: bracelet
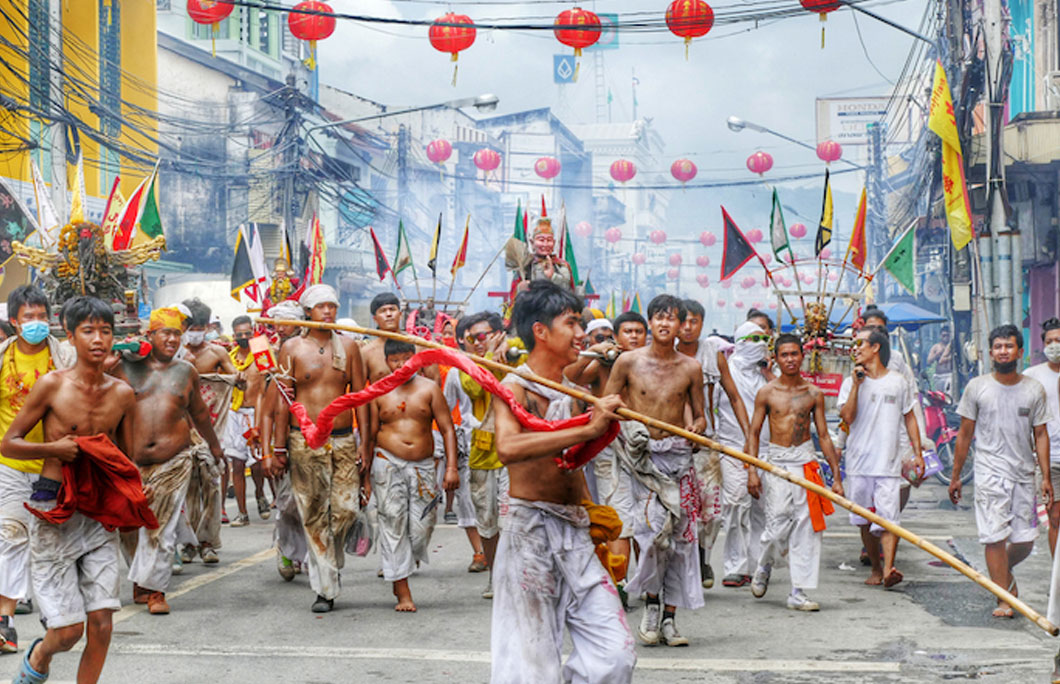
279	449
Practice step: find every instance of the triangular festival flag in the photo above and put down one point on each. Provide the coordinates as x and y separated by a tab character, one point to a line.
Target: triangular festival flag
318	250
778	232
737	250
150	219
403	257
520	227
461	254
130	216
381	265
568	252
432	262
115	203
824	227
47	217
635	308
77	203
242	271
901	262
857	249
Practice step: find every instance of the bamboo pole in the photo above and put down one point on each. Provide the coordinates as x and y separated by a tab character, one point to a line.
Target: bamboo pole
914	539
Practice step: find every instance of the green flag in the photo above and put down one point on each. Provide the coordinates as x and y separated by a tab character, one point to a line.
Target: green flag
520	231
151	218
568	252
403	257
902	259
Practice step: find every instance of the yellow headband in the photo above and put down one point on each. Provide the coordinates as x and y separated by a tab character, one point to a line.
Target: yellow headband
166	317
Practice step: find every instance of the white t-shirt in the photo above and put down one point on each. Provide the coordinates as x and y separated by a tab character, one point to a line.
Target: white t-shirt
1050	380
872	445
1005	417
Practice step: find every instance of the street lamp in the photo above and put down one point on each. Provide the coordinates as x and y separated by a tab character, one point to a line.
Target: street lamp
736	124
483	103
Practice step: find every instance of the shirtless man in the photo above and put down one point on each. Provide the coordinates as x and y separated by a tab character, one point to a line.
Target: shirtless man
386	311
205	500
242	441
547	572
941	354
791	403
168	404
402	468
323	366
658	381
74	564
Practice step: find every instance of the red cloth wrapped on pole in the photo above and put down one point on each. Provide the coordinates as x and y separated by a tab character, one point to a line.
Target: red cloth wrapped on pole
102	484
316	434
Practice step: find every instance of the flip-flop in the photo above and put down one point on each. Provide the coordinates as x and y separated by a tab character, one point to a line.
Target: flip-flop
892	578
26	674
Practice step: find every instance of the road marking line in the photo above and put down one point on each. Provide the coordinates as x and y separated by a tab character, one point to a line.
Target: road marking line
196	582
423	654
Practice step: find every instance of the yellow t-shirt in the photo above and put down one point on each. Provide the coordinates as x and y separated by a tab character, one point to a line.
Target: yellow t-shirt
18	373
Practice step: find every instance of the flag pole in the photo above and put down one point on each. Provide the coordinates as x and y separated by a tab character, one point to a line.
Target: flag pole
870	277
480	278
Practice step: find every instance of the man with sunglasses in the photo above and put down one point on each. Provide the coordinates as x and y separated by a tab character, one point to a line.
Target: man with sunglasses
873	403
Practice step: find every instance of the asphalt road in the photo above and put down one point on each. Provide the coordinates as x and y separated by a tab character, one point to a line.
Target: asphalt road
240	622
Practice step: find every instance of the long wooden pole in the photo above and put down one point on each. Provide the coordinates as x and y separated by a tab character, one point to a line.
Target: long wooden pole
914	539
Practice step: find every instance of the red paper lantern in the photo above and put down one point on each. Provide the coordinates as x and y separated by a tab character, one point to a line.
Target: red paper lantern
825	253
209	11
760	162
759	305
754	235
720	303
547	167
832	277
657	237
738	304
673	273
772	305
703	279
487	159
807	278
689	19
822	8
439	151
797	230
707	239
829	151
702	261
639	258
311	27
623	170
613	235
577	28
584	228
675	259
683	169
767	258
452	39
727	283
748	282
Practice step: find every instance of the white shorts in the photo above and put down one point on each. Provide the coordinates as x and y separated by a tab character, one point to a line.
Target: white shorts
234	443
1004	510
881	495
489	495
75	568
15	489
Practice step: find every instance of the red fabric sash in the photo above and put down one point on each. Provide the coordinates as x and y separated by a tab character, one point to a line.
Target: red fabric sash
316	434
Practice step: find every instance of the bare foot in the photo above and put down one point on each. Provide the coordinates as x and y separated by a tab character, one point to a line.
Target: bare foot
874	580
893	577
1003	610
404	597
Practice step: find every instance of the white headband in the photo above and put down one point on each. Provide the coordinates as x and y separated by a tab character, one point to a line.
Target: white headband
318	294
598	323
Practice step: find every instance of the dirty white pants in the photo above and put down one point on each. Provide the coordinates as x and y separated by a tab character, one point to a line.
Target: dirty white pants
15	489
788	526
403	491
743	518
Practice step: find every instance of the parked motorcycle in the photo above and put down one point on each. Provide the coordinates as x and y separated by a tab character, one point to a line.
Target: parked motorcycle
941	425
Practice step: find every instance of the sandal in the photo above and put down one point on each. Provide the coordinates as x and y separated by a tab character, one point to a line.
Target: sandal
26	674
892	578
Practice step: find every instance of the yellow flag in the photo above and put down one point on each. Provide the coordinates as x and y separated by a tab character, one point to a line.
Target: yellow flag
77	204
941	120
113	210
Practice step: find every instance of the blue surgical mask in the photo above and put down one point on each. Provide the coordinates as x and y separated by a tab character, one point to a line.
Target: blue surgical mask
212	335
34	332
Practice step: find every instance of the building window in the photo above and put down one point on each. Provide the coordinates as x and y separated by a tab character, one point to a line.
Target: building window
110	67
163	4
264	32
205	31
40	46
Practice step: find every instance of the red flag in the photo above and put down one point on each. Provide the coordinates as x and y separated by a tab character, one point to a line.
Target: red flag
130	215
737	249
461	254
857	250
382	266
544	212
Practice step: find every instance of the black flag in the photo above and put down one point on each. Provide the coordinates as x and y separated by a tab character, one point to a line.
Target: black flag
382	266
737	249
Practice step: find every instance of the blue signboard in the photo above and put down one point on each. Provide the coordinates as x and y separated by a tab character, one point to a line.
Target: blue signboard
563	68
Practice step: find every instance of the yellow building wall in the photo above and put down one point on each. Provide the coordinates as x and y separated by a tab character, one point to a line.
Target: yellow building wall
80	54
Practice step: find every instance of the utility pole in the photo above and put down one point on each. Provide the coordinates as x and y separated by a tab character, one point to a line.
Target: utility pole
403	168
291	140
877	241
997	281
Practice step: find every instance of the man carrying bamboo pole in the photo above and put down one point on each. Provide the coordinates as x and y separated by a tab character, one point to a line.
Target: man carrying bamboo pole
658	381
873	403
1007	413
794	516
547	573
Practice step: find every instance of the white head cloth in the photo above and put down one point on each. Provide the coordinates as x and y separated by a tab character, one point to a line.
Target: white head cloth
598	323
318	294
287	310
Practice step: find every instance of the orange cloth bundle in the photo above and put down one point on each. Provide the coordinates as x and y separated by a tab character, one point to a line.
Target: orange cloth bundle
819	506
605	526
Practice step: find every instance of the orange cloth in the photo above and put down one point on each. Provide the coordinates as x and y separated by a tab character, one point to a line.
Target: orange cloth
166	317
102	484
819	506
606	526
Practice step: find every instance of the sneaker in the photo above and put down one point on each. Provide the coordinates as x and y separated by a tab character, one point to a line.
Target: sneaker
187	553
156	604
241	520
8	637
178	564
760	582
487	593
224	517
648	630
478	563
24	607
323	605
669	634
707	573
263	508
285	567
450	518
208	555
298	567
800	601
734	580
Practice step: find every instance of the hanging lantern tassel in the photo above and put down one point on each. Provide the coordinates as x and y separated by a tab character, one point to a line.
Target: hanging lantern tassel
688	41
456	66
824	18
213	38
311	61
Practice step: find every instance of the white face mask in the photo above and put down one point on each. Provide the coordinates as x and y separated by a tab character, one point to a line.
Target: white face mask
194	338
1052	352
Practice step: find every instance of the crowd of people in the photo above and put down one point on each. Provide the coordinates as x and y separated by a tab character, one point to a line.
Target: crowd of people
571	527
